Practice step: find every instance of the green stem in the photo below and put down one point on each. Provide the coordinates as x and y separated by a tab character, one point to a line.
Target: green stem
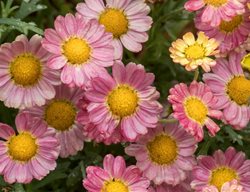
196	74
168	120
19	187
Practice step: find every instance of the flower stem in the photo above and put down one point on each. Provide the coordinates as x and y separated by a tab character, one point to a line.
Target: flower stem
196	74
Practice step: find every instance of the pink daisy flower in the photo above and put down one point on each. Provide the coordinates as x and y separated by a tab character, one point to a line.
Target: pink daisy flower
230	34
230	186
221	168
30	154
79	47
90	130
232	88
193	106
25	80
115	176
60	114
216	11
165	154
126	101
126	20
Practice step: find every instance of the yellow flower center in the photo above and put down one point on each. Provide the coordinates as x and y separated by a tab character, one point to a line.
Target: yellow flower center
115	21
114	186
122	101
215	3
245	63
22	147
25	69
60	114
195	51
221	175
196	109
162	150
238	89
230	26
76	50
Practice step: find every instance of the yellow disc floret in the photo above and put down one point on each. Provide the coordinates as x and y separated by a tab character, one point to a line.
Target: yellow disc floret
25	69
196	109
215	3
122	101
115	22
230	26
162	150
76	50
115	186
221	175
22	147
195	51
238	89
245	63
60	114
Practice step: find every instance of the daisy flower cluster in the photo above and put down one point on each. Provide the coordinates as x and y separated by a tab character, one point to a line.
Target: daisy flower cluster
72	85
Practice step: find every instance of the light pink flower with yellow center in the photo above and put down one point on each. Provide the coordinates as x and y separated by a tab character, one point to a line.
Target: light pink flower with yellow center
60	114
216	11
90	130
229	84
230	186
30	154
25	79
193	106
192	53
164	154
229	34
125	101
115	177
221	168
81	48
126	20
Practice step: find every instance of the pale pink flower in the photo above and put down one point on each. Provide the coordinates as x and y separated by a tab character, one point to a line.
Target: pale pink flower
80	47
60	114
215	11
125	101
193	106
30	154
25	79
230	34
115	175
164	154
221	168
229	84
126	20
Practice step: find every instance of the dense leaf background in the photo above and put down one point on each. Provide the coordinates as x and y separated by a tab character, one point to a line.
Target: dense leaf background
170	22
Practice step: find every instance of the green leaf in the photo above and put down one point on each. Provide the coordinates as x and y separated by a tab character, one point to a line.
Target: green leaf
21	25
29	6
234	136
18	188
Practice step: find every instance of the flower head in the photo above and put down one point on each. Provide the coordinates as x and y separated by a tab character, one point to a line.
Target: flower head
215	11
230	186
192	53
229	34
115	177
25	79
232	89
127	24
125	101
164	154
60	114
31	153
221	168
193	106
81	48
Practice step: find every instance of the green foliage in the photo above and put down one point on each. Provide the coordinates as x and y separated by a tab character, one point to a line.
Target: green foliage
170	22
